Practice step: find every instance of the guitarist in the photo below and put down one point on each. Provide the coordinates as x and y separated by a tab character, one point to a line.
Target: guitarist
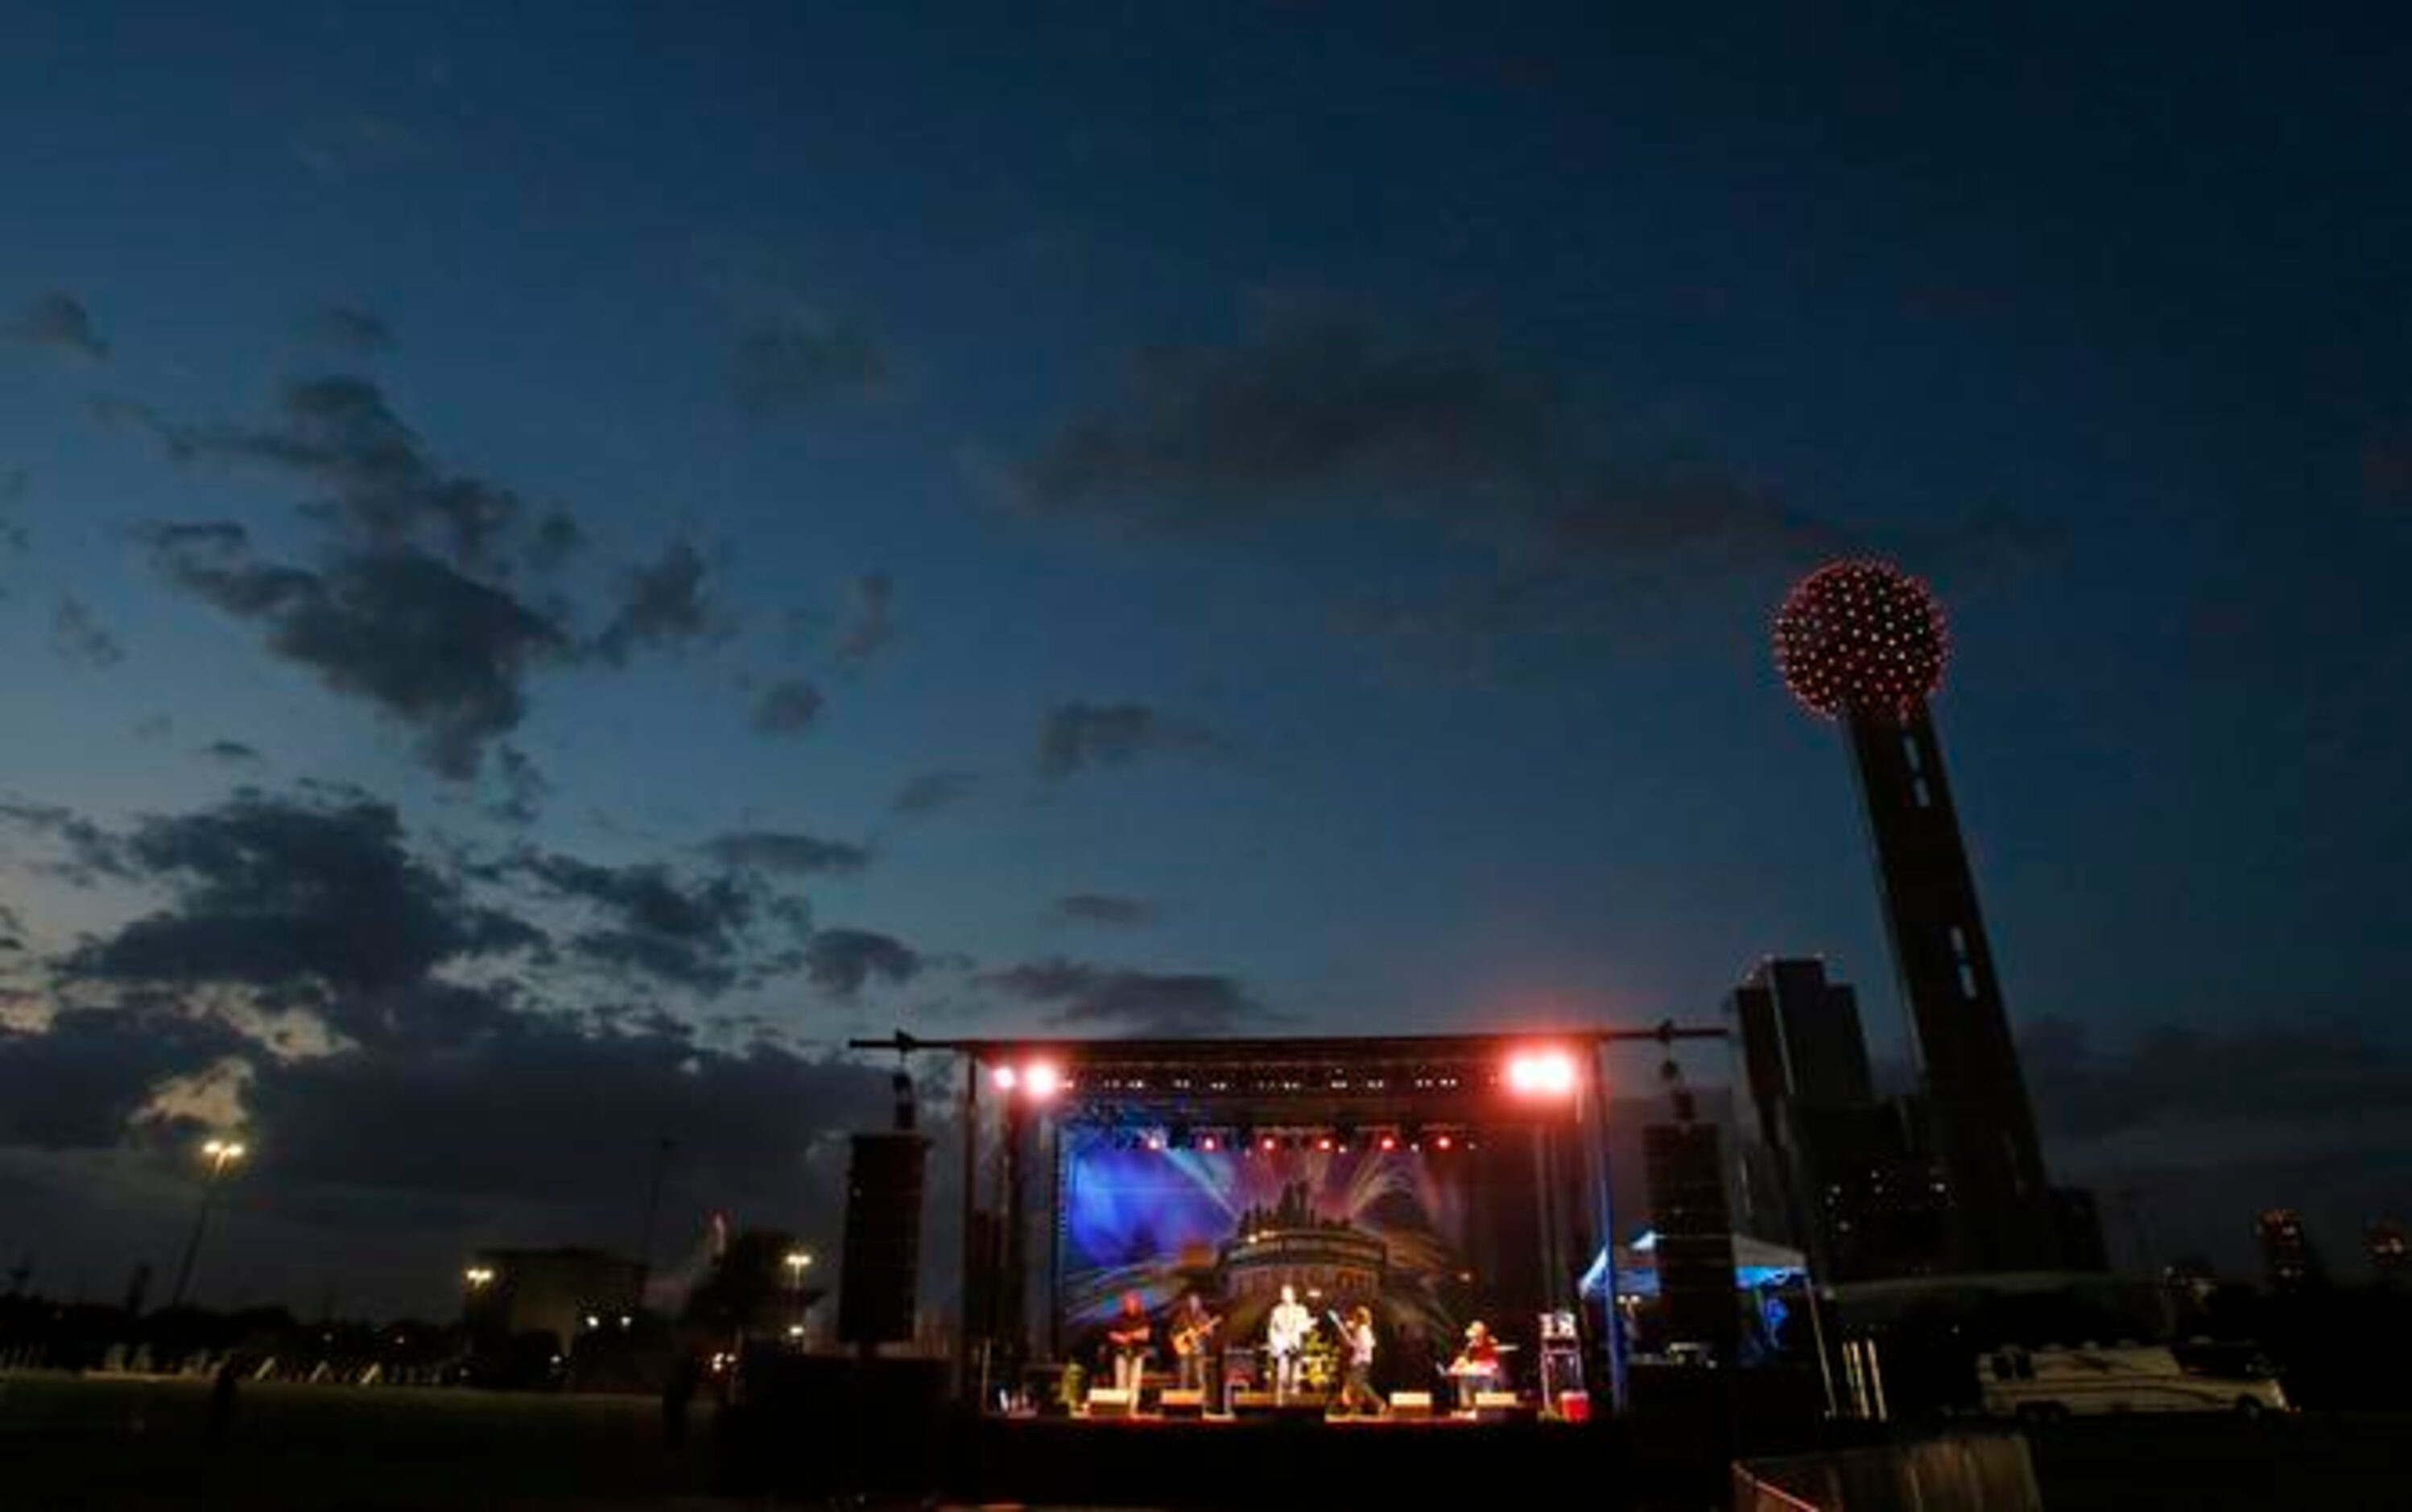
1193	1334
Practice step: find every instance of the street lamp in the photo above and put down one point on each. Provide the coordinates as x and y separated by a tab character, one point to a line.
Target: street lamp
216	1155
478	1276
798	1261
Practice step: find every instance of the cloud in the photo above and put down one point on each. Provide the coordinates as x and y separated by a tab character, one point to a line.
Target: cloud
93	853
311	891
349	329
1079	736
444	654
692	933
1105	908
790	706
12	492
873	623
522	787
786	852
798	360
82	640
1208	436
927	792
1337	422
379	486
1141	1002
233	753
659	607
58	320
2257	1074
842	962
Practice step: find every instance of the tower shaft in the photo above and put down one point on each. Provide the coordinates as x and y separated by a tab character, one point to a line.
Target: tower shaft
1982	1125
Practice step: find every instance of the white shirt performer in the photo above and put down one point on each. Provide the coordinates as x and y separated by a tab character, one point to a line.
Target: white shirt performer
1285	1340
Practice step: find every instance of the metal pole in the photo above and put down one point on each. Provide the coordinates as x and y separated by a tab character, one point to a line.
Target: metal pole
964	1386
200	1226
1612	1314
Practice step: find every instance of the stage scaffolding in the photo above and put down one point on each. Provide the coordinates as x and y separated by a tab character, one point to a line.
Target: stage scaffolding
1475	1085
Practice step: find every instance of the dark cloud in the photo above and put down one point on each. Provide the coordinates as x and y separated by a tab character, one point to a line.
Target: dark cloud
349	329
444	654
2264	1074
1141	1002
658	606
798	362
76	1084
1208	435
927	792
1338	422
233	753
1106	908
1079	736
843	962
790	706
13	536
522	787
93	852
786	852
82	640
696	932
872	625
295	892
377	484
59	321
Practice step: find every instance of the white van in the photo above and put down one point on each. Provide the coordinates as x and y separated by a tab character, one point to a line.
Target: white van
2052	1383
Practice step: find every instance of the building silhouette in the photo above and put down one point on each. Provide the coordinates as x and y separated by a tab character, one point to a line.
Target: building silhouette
1824	1164
1863	643
2288	1262
2389	1250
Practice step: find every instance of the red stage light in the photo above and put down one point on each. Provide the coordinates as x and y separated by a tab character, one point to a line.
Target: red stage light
1324	1143
1003	1078
1040	1081
1269	1144
1390	1142
1442	1142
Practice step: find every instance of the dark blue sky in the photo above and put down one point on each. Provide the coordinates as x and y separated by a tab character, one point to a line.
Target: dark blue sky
1289	497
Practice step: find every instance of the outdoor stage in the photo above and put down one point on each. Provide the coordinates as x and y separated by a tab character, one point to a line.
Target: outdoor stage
1424	1184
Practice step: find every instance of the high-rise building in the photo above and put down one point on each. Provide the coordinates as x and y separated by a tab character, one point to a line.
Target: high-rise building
2288	1263
2389	1251
1823	1162
1863	643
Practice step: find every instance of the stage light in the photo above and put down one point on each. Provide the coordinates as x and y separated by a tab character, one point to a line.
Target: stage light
1040	1081
1548	1073
1209	1144
1390	1142
1002	1079
1156	1142
1442	1142
1269	1144
1324	1144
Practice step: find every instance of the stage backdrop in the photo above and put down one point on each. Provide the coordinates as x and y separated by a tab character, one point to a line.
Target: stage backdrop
1388	1231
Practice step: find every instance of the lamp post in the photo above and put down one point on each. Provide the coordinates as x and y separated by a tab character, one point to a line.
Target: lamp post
798	1262
216	1155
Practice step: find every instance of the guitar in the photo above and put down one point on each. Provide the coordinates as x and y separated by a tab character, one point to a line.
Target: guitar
1190	1339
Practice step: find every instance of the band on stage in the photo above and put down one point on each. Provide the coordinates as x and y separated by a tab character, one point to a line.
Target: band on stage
1301	1361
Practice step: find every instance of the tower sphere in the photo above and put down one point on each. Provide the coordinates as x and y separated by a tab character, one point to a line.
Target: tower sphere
1859	634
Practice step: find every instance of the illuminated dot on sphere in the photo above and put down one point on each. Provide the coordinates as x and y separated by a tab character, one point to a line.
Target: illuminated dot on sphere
1831	661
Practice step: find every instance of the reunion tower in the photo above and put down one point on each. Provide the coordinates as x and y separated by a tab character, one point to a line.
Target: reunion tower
1864	644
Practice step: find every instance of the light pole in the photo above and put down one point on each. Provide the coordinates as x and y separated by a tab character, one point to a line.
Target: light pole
798	1261
217	1154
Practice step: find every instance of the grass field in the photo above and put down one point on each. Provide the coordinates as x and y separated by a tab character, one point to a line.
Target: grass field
80	1441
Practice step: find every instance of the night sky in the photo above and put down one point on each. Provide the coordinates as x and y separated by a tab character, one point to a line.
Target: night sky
560	560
